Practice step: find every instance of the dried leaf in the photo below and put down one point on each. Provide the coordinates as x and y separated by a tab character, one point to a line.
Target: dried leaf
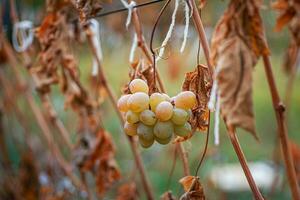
167	196
241	18
284	19
198	81
128	191
289	15
237	43
186	182
192	187
234	77
96	154
89	8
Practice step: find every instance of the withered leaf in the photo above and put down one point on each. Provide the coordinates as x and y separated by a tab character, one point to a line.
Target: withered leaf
128	191
89	8
192	187
289	15
198	81
235	65
167	196
96	154
284	19
237	43
241	18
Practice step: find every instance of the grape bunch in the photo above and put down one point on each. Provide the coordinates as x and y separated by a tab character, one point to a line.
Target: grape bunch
156	117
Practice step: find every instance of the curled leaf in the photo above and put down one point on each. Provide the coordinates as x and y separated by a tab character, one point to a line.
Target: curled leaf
198	81
192	187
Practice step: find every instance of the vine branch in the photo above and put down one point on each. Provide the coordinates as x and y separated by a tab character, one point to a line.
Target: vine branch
239	152
282	129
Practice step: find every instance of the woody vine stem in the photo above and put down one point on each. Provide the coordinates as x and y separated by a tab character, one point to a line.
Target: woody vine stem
200	30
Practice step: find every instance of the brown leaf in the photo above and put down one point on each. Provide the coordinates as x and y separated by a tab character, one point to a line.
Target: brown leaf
198	81
89	8
289	15
284	19
167	196
192	187
237	43
234	78
280	4
241	18
96	154
186	182
128	191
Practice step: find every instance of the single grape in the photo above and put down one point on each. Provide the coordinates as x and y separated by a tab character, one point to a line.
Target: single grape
132	117
183	130
164	111
138	85
166	97
163	141
185	100
145	132
155	99
138	102
179	116
122	103
130	129
146	143
163	130
148	117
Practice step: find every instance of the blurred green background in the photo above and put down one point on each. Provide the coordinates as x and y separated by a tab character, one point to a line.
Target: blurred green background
116	42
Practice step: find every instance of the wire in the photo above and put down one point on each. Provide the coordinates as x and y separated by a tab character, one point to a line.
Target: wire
152	37
125	9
